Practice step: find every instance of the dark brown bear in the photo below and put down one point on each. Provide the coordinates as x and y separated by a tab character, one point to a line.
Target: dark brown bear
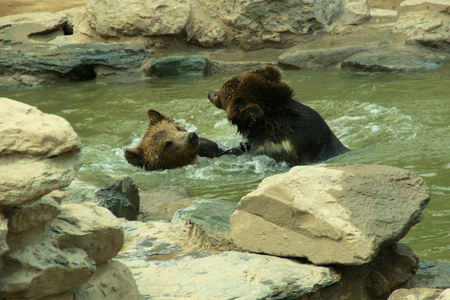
260	104
167	145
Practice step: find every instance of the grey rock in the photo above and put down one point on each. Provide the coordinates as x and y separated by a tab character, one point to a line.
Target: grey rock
403	59
121	197
205	223
319	58
433	275
179	66
70	62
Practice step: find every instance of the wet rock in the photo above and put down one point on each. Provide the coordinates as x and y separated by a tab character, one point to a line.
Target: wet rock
163	202
205	223
121	197
75	61
420	294
319	58
402	59
425	23
39	153
433	275
89	227
330	214
179	66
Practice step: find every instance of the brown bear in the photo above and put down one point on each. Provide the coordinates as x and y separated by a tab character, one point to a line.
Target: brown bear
262	107
167	145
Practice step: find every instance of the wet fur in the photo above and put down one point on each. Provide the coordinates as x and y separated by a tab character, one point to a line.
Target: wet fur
262	107
167	145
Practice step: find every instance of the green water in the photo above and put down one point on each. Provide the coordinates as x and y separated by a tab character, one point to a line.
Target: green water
399	120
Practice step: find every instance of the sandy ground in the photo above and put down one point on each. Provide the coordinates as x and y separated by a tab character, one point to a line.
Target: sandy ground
13	7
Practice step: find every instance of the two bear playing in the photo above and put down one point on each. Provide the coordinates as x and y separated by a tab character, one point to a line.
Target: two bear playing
262	107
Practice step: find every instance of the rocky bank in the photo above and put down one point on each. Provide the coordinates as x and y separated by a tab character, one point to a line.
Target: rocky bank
50	250
315	232
136	39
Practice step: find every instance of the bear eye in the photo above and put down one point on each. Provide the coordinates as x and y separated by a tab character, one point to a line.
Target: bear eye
167	145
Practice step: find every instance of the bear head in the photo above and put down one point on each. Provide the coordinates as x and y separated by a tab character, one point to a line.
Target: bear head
248	96
165	145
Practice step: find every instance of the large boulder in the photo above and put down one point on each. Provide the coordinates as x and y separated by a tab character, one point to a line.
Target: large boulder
330	214
48	250
38	153
250	24
425	22
162	268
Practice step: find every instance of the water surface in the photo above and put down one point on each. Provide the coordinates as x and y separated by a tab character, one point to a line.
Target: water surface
400	120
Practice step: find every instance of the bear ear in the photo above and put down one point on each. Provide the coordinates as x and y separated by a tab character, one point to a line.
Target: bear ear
155	117
134	157
270	73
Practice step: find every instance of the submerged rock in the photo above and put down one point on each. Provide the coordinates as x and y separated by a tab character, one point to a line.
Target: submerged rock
330	214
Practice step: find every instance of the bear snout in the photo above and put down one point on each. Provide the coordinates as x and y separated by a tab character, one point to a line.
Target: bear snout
214	98
193	138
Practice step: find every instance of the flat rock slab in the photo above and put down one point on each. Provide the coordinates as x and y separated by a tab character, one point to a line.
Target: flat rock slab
403	59
330	214
230	275
73	61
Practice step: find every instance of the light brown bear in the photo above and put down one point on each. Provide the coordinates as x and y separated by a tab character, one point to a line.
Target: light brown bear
262	107
167	145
